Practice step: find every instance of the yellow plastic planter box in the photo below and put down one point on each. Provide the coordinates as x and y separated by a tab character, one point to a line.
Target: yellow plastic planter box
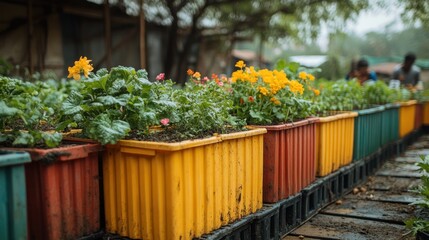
426	113
182	190
334	142
407	112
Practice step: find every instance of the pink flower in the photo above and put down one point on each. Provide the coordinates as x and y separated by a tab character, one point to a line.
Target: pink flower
205	79
220	83
160	77
165	121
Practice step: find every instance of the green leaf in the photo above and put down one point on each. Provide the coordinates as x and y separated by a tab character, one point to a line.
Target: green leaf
24	138
110	100
52	139
6	111
105	130
281	64
293	66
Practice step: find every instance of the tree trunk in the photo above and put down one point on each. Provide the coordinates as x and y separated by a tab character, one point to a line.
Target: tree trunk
171	53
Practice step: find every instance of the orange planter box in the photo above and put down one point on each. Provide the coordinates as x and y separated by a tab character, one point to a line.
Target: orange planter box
418	120
426	113
289	159
63	192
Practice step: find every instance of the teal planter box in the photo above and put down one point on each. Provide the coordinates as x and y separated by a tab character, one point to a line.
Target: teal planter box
390	124
368	131
13	203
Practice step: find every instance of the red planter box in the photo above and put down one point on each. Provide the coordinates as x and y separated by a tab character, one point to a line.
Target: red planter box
289	159
63	192
418	119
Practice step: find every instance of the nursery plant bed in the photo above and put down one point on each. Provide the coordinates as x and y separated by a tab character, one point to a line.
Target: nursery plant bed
418	119
407	113
289	159
334	142
182	190
426	113
63	191
368	131
390	124
13	203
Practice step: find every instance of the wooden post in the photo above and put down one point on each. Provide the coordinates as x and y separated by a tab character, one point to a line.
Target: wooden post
107	34
30	35
142	37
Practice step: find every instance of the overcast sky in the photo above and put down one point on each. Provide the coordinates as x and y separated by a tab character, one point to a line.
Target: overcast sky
368	22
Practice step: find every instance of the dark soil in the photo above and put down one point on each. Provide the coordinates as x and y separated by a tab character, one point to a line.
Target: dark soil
63	144
170	135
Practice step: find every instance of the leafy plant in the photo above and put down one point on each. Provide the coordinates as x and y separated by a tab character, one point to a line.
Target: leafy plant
203	108
111	103
27	110
378	93
271	97
340	95
418	224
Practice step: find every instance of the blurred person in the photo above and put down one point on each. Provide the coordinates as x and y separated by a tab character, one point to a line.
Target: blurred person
407	73
361	72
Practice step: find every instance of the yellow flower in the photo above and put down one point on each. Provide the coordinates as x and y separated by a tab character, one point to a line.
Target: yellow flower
275	101
316	92
82	66
310	77
240	64
197	75
296	87
263	90
302	75
73	72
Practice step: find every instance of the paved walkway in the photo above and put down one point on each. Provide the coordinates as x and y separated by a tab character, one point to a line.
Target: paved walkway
375	209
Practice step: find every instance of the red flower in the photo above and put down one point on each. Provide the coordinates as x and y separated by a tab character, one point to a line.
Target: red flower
160	77
165	121
251	99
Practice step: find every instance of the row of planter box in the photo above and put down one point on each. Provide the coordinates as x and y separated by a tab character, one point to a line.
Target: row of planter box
183	190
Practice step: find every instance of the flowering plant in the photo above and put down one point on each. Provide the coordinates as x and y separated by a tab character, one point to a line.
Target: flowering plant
202	109
271	96
112	103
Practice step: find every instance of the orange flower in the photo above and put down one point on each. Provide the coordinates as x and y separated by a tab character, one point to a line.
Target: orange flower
190	72
197	75
316	92
251	99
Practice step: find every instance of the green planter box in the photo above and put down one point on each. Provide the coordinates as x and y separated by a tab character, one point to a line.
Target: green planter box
13	204
368	132
390	124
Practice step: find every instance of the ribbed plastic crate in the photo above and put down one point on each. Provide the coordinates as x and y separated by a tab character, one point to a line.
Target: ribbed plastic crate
289	159
390	124
368	131
13	203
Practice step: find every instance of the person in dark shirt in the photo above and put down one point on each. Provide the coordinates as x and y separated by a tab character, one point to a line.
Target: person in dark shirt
407	73
362	72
